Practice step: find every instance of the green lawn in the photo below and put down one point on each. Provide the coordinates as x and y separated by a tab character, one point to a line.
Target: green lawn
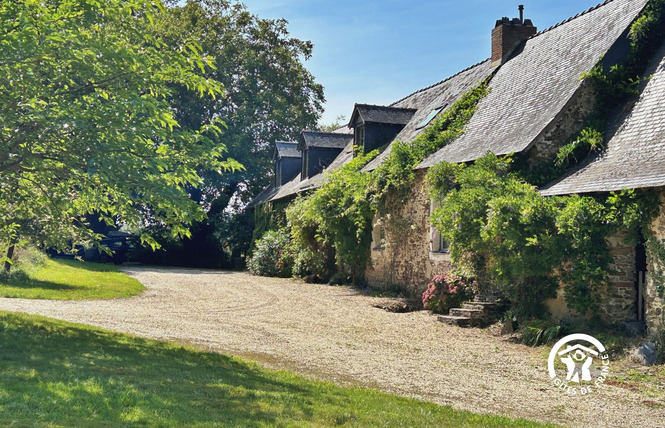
70	280
57	373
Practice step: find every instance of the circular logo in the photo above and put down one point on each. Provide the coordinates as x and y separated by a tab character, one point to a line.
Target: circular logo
586	363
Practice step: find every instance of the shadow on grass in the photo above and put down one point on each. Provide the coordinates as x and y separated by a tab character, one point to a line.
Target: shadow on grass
27	283
73	375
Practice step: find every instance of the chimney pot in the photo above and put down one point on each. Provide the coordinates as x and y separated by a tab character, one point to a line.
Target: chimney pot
521	9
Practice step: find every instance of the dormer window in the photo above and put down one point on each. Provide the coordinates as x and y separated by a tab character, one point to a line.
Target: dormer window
287	162
319	149
376	126
430	117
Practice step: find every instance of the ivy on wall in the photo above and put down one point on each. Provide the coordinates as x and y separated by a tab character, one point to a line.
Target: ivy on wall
508	236
340	213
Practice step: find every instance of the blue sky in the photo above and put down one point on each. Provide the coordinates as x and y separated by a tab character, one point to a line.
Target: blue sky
376	52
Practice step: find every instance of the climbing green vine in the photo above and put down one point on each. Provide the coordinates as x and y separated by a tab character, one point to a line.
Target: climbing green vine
508	236
339	215
396	173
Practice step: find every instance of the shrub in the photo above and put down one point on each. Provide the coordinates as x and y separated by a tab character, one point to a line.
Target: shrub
311	264
340	278
29	258
539	332
445	292
270	258
25	260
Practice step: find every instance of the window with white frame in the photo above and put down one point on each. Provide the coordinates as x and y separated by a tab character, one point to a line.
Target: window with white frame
378	233
438	244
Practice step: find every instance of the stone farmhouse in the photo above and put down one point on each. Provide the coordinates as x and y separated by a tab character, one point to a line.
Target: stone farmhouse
536	102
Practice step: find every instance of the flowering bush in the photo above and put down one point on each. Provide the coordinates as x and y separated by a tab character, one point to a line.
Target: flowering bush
445	292
271	257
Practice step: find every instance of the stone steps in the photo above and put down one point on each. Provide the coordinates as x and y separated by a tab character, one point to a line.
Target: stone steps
483	306
453	320
466	312
473	314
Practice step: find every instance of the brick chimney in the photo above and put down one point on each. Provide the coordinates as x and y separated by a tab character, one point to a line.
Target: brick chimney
508	34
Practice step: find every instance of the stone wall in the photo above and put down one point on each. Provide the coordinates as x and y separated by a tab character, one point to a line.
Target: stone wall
569	121
619	299
405	260
655	304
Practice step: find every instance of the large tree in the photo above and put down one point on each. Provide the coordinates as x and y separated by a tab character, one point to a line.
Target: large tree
86	124
269	96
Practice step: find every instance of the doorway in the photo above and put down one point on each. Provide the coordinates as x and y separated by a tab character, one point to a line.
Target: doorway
640	277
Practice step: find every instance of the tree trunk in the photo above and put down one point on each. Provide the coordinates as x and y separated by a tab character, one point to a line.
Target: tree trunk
10	254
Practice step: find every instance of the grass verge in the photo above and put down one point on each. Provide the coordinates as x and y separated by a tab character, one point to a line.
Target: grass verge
69	280
57	373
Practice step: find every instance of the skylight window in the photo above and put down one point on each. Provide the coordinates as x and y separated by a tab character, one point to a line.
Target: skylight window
430	117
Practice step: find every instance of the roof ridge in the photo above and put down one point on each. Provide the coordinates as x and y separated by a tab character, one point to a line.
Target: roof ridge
337	134
382	106
440	82
591	9
389	107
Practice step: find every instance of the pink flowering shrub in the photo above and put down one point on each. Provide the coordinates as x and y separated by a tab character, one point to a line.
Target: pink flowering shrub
445	292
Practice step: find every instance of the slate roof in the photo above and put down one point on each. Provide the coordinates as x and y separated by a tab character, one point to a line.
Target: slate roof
264	196
285	149
635	154
296	186
381	114
446	92
332	140
318	180
530	90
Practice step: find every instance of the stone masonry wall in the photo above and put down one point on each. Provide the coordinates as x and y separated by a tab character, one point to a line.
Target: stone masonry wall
618	300
406	260
655	304
567	123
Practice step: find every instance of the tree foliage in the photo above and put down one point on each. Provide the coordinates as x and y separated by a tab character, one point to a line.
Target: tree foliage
85	122
270	96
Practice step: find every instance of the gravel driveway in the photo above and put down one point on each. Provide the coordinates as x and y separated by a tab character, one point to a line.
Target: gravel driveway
336	334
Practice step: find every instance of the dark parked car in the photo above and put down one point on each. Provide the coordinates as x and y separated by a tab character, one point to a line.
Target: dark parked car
120	243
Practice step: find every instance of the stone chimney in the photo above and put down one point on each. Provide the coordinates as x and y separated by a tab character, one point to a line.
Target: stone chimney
508	34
